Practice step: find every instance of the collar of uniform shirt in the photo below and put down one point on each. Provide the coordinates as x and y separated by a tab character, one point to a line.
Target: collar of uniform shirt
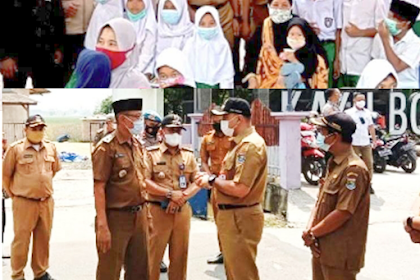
163	148
29	144
120	139
339	159
245	133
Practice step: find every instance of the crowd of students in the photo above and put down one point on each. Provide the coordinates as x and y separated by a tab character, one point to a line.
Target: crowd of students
293	44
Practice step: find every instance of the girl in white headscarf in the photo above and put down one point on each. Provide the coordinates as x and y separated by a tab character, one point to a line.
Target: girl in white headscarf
174	24
379	74
118	41
173	70
142	15
105	10
209	53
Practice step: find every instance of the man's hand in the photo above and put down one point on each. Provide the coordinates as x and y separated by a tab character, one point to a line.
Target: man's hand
383	31
307	238
352	30
58	56
202	181
172	208
315	28
103	238
252	83
8	68
71	10
246	31
336	68
415	236
236	28
316	252
178	198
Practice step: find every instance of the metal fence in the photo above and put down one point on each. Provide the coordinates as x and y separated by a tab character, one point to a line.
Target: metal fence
273	160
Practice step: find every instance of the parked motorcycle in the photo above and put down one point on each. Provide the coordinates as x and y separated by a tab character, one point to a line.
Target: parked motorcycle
381	156
313	159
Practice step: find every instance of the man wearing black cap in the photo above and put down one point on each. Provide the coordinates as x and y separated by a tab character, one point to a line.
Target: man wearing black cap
170	179
119	188
29	167
397	43
337	229
240	190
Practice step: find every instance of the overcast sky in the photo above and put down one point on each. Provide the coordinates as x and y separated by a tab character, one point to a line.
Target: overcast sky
69	102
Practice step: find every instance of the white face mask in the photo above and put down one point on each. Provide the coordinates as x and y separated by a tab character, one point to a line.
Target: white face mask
278	15
296	44
224	126
173	139
361	104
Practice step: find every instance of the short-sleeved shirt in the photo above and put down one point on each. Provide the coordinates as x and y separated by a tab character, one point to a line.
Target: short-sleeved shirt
215	147
363	119
31	171
355	51
346	188
121	165
165	168
408	50
327	14
330	108
246	164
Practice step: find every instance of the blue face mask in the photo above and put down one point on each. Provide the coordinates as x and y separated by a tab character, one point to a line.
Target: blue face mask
320	142
392	26
101	1
138	16
208	33
138	127
170	16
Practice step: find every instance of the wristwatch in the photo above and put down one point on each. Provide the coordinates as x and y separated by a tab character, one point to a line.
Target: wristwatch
238	18
212	178
169	194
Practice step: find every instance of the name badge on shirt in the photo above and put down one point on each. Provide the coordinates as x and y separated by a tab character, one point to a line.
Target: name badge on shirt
28	156
182	182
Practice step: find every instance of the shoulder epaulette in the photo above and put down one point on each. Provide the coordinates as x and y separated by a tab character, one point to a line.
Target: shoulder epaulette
108	138
16	143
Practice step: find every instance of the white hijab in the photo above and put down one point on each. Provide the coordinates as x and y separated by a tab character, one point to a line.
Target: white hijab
102	13
174	35
375	72
175	58
211	60
147	24
128	74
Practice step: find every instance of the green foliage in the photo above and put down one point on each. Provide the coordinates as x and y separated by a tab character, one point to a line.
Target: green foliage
105	107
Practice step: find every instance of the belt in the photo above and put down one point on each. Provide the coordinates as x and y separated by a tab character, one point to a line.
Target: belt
131	209
218	7
230	206
327	41
34	199
154	202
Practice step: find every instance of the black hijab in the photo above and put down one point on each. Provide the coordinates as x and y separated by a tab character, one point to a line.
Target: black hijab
307	55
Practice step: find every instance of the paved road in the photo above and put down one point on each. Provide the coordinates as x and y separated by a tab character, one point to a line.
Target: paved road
390	255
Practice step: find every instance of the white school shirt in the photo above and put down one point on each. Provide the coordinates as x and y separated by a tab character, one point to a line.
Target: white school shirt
355	51
361	136
408	50
327	14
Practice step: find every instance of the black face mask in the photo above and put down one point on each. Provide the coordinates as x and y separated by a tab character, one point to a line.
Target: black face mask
152	130
216	127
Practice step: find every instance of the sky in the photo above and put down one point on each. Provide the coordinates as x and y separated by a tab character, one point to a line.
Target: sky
69	102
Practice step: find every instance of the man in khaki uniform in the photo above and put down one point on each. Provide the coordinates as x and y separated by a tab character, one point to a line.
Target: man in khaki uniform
29	167
119	188
240	190
107	129
170	183
337	229
214	147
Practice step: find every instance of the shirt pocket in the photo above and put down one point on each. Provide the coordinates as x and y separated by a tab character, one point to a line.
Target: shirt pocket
328	202
26	165
49	161
160	173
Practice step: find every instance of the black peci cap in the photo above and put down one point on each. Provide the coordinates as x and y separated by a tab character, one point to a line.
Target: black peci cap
237	106
340	122
35	120
127	105
405	10
172	120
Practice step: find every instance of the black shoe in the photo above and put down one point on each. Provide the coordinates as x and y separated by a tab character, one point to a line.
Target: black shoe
46	276
371	190
217	260
163	268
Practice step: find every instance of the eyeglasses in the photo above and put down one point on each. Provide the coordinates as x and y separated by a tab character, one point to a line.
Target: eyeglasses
362	120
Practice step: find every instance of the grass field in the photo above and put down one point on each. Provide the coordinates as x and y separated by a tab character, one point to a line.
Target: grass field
64	125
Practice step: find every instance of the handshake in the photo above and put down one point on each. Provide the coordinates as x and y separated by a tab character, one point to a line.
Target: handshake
202	180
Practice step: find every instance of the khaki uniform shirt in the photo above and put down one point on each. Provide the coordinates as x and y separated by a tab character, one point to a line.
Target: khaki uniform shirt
30	171
148	141
346	188
164	169
215	147
121	165
246	163
101	133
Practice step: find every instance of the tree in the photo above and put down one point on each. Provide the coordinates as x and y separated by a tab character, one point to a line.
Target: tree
105	107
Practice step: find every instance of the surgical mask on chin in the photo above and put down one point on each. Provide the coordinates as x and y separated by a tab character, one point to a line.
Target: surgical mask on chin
136	17
137	128
35	137
170	17
392	26
279	15
173	139
320	142
224	126
361	104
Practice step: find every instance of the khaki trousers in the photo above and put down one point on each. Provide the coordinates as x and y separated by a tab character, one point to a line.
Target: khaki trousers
31	218
365	152
129	247
240	232
323	272
172	229
215	212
